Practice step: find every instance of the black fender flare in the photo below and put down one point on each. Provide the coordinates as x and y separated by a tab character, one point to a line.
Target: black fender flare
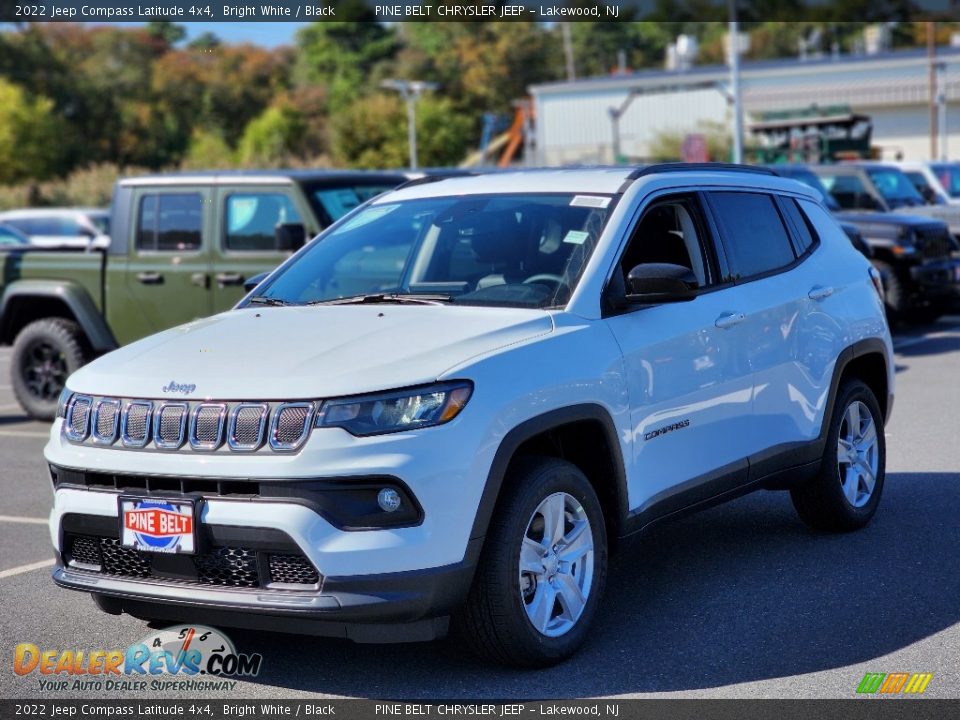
74	297
535	426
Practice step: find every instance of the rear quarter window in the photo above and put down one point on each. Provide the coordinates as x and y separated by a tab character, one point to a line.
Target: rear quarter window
754	234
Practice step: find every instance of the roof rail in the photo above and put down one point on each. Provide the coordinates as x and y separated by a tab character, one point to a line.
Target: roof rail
658	168
435	177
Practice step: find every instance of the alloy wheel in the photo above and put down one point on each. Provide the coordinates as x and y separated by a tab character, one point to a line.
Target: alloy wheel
858	454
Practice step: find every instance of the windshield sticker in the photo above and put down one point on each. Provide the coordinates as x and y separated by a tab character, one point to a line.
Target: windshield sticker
594	201
369	215
576	237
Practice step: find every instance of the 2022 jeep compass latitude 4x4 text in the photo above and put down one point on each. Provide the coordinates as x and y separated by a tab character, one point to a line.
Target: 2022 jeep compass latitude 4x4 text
450	406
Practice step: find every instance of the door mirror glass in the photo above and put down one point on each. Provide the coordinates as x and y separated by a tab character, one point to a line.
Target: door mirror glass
251	282
654	283
290	236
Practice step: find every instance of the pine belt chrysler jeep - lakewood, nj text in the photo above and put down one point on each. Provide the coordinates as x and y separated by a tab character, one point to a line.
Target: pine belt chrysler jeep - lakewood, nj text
451	405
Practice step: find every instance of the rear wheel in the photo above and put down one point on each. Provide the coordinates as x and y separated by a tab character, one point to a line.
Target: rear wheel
542	569
45	353
845	494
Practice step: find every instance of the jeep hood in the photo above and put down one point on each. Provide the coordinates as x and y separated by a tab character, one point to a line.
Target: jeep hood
279	353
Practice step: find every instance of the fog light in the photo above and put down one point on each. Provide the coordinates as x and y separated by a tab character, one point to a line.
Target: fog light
388	499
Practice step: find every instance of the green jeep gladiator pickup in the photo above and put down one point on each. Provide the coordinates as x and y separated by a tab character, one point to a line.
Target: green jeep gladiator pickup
182	247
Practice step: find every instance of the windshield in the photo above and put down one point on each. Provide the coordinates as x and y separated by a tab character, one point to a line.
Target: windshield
949	177
101	221
525	251
895	187
810	180
332	202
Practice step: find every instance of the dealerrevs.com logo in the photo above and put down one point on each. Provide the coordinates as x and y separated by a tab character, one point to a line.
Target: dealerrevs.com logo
182	657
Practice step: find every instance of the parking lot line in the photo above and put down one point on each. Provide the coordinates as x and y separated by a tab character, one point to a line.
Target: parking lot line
25	568
21	519
24	433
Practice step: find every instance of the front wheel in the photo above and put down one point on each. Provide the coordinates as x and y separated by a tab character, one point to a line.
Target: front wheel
45	353
542	569
846	492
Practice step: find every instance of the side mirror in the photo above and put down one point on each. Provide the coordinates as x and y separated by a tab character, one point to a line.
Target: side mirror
654	283
251	282
290	236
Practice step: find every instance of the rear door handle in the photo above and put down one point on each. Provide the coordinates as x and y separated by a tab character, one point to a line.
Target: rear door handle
224	279
818	292
200	280
150	278
728	320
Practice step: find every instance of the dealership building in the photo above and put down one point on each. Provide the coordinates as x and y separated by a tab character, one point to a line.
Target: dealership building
574	125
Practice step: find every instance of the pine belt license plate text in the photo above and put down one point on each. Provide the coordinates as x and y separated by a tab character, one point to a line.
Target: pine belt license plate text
158	525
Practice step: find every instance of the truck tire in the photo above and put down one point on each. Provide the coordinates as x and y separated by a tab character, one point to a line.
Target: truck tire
542	569
846	491
896	300
45	353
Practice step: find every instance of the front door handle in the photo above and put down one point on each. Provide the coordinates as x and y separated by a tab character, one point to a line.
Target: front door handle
225	278
150	278
819	292
728	320
200	280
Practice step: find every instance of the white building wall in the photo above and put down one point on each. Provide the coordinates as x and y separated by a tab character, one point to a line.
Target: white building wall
576	128
906	130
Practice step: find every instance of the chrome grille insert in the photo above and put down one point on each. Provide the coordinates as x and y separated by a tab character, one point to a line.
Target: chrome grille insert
77	423
290	426
135	423
170	425
206	426
245	431
106	421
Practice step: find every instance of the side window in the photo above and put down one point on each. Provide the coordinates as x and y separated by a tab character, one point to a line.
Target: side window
802	232
252	218
170	222
847	189
670	231
755	238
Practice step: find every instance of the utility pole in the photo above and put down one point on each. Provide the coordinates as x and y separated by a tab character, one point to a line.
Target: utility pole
568	51
410	91
734	34
942	108
932	83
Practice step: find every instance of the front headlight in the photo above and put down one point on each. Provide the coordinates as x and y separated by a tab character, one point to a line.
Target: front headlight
396	411
62	403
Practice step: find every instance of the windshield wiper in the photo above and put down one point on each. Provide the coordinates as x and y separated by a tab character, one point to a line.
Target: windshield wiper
388	299
272	302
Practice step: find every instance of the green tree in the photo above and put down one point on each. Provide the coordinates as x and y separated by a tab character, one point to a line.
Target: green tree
29	130
372	133
208	151
273	138
347	56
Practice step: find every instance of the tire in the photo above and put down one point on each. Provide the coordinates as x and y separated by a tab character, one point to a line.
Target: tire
896	300
45	353
839	498
497	619
927	314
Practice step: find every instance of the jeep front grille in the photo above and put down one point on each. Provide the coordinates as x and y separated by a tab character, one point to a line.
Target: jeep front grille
206	426
183	425
934	243
171	423
135	423
77	423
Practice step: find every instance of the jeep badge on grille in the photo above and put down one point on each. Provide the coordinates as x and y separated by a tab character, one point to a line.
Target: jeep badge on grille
175	387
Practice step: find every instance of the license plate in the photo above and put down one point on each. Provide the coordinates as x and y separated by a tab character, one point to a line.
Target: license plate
158	525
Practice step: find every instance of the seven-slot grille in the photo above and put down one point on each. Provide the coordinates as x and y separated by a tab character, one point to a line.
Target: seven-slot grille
200	426
934	243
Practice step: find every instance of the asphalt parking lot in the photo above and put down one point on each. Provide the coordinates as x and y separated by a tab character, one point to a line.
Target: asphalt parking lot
740	601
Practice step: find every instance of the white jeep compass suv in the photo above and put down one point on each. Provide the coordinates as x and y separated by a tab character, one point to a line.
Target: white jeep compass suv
456	400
